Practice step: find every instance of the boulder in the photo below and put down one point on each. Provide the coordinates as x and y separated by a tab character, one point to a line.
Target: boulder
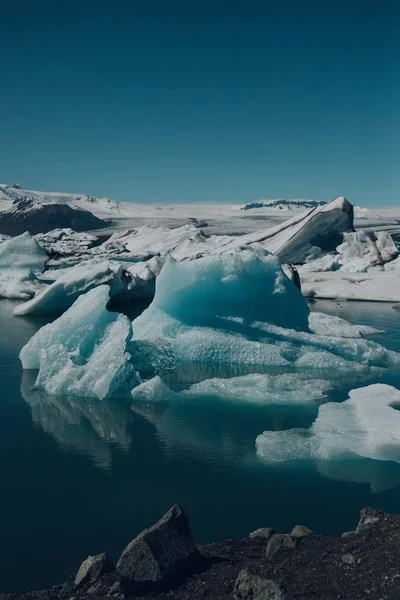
369	518
348	559
249	586
92	569
279	542
300	531
164	550
263	532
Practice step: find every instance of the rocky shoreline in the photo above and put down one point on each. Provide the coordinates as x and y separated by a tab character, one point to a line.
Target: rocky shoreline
165	562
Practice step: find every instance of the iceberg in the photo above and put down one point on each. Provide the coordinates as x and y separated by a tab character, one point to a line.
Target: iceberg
235	307
83	351
364	268
245	282
373	248
143	277
20	257
71	283
239	307
367	425
309	235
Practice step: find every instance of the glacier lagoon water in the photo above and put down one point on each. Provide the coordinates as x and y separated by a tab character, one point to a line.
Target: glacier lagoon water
81	477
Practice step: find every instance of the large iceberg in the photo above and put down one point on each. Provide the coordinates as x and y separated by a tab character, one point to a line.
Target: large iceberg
239	307
366	425
83	351
236	307
309	235
20	258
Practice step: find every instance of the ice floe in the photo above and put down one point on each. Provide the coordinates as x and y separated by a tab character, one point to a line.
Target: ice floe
366	425
260	388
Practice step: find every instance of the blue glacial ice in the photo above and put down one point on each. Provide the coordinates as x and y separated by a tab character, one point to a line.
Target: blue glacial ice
239	307
83	351
235	307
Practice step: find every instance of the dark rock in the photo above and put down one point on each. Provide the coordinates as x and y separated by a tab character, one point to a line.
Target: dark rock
26	216
280	541
263	532
92	569
369	518
300	531
249	586
164	550
348	559
116	591
346	534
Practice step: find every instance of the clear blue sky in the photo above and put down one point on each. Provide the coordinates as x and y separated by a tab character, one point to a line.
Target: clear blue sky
180	100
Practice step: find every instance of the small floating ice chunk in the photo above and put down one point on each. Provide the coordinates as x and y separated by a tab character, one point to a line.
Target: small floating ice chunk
366	425
154	390
323	324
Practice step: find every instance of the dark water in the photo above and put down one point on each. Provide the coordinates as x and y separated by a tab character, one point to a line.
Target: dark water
82	477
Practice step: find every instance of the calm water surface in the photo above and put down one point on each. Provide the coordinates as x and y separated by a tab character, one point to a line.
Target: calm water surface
80	477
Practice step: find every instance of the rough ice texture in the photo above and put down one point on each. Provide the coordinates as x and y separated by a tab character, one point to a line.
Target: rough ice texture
154	390
238	307
374	248
367	425
288	388
20	257
61	294
66	241
83	351
364	268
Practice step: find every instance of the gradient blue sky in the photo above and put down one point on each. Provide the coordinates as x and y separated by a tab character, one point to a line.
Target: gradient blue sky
173	100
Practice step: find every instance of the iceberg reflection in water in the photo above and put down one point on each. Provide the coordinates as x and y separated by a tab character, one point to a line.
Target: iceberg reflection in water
87	425
205	421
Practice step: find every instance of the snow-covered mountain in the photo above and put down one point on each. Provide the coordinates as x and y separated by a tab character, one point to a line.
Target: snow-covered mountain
291	204
100	207
37	212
